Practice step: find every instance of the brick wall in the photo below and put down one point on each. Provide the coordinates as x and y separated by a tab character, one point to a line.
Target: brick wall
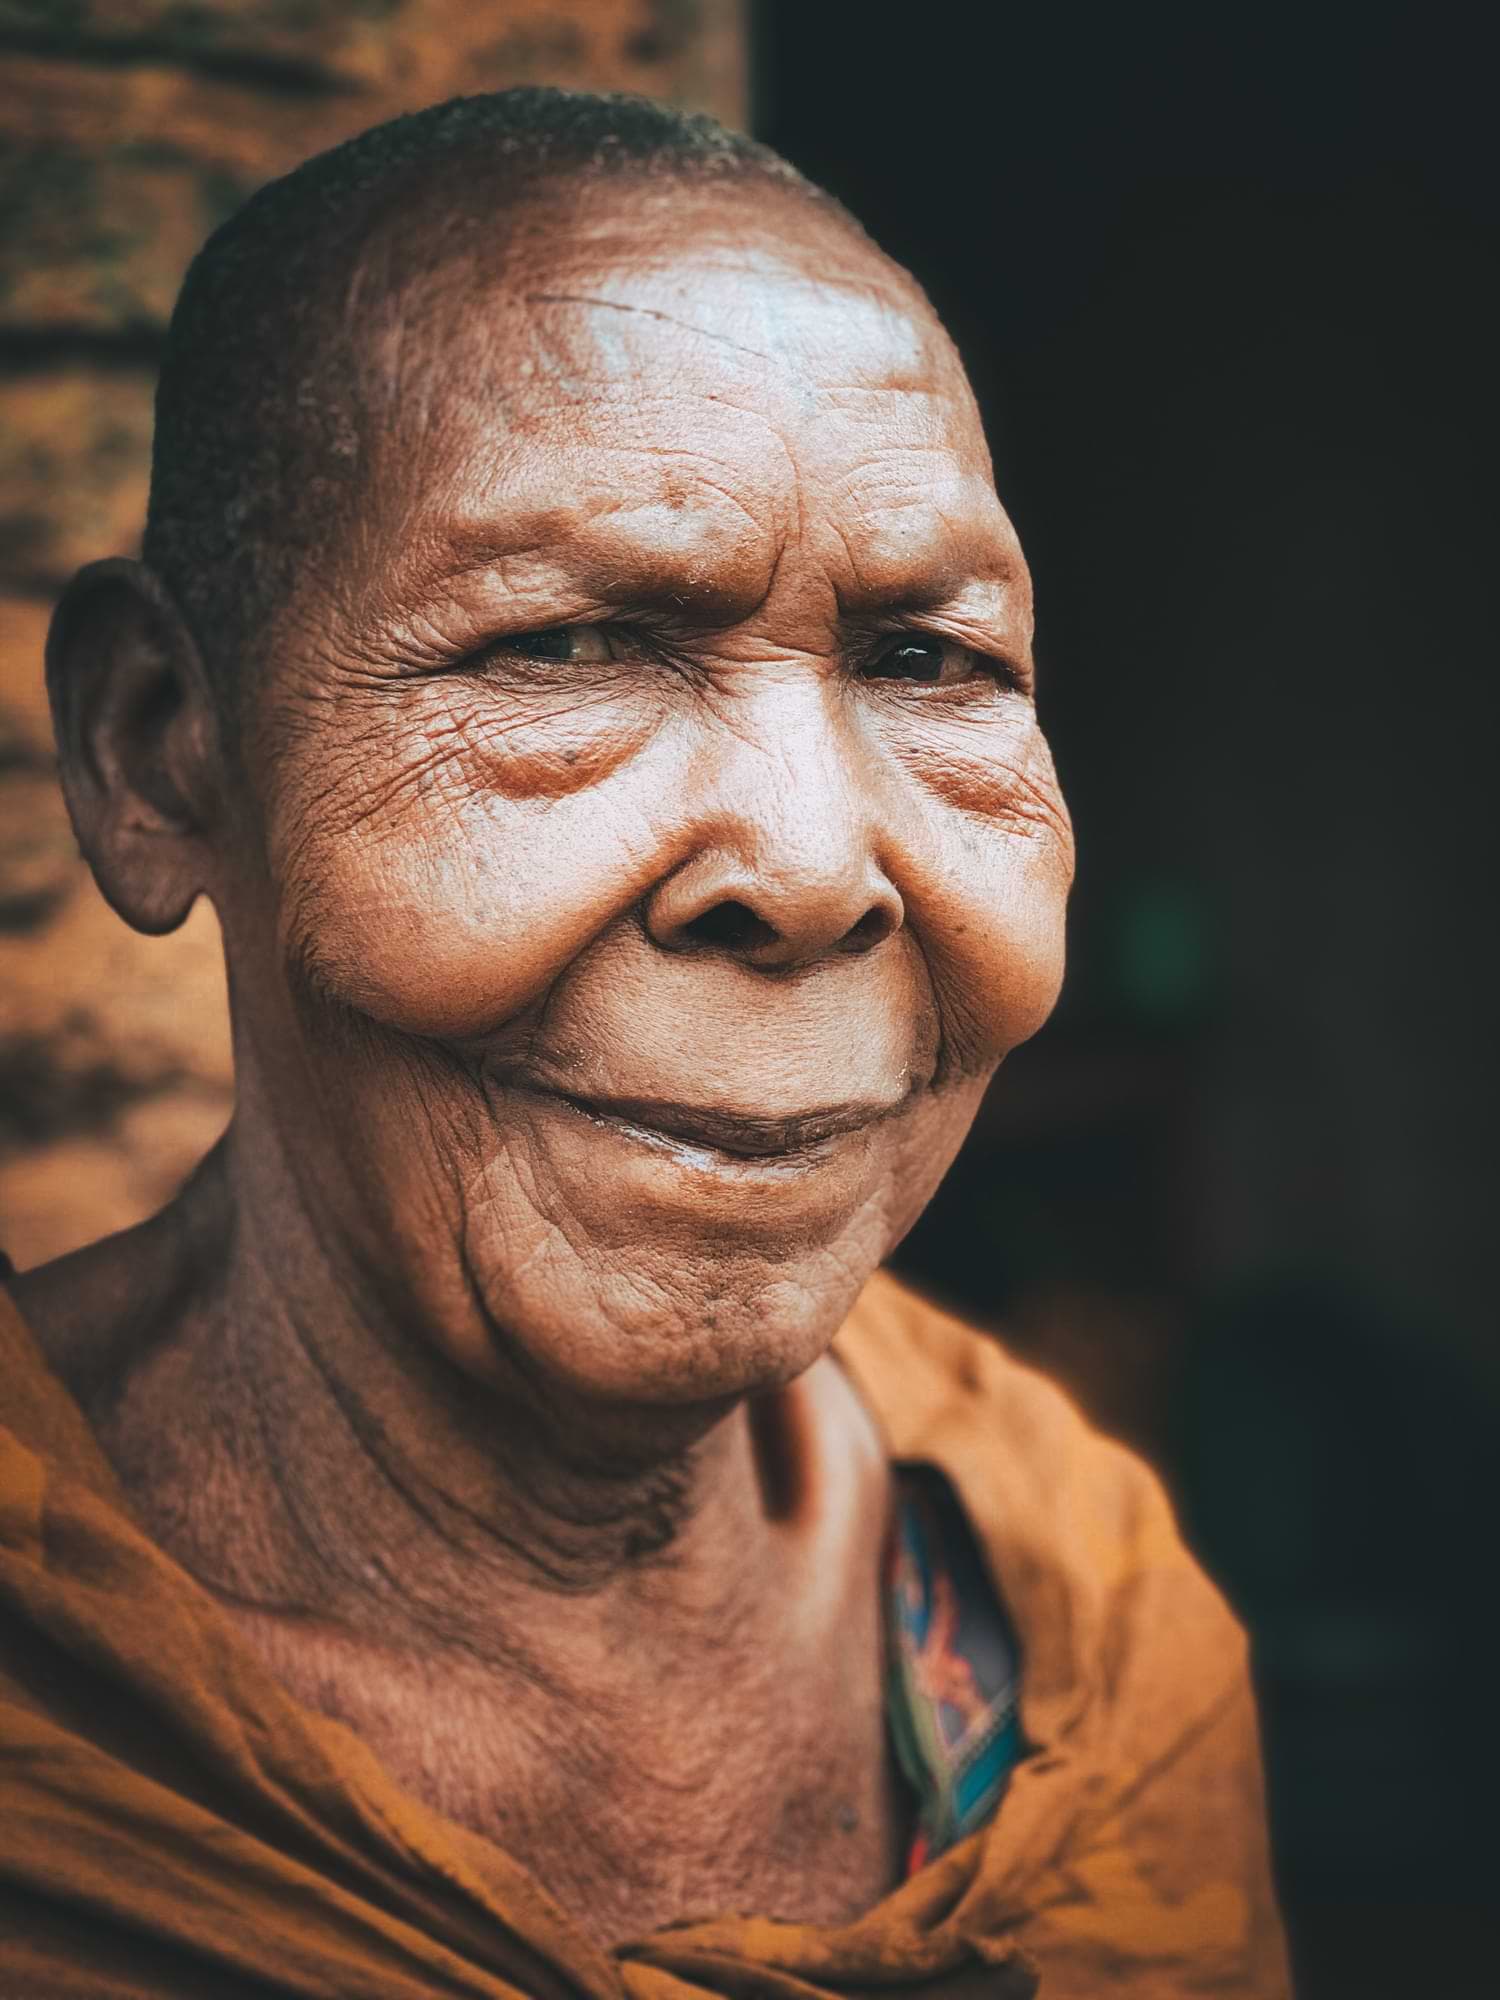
129	128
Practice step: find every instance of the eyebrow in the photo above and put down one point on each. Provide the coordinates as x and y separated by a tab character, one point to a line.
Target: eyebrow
974	589
971	577
631	572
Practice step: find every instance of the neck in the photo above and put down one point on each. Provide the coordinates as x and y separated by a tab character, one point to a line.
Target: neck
481	1596
308	1456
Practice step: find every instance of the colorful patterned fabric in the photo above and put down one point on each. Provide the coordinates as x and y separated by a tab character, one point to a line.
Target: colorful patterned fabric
953	1674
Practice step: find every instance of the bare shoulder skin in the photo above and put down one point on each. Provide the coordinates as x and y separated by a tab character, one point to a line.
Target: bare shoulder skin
632	869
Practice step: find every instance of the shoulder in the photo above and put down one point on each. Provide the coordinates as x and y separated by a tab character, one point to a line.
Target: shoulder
96	1311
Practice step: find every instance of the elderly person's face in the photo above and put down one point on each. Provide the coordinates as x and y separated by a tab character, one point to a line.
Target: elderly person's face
660	849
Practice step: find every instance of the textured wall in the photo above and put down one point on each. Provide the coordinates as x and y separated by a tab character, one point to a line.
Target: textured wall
130	128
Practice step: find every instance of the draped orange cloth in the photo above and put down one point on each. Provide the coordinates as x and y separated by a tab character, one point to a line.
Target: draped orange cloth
174	1826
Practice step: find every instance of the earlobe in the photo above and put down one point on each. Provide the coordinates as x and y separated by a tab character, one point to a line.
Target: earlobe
137	740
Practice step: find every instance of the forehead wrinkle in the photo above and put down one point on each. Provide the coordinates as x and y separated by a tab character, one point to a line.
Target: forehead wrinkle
768	307
898	544
914	537
621	419
693	495
630	492
778	302
494	356
648	312
738	256
912	416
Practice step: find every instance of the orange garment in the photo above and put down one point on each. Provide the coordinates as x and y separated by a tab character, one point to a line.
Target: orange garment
174	1826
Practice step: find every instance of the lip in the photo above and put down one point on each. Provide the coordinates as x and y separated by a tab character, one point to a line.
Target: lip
738	1135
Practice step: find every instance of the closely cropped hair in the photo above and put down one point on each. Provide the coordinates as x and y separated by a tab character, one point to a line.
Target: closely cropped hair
254	442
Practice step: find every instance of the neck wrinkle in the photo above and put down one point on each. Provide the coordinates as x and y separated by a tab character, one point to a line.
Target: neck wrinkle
376	1489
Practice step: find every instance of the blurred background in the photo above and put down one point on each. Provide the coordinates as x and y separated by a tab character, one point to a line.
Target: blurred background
1226	282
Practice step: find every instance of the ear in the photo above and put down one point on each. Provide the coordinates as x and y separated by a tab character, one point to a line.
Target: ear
138	741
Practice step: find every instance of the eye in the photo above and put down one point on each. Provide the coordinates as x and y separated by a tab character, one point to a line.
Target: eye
572	645
930	661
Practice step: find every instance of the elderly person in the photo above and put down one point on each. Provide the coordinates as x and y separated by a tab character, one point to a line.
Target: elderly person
495	1533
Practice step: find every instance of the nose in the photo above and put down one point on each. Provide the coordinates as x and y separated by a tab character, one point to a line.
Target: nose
789	871
713	905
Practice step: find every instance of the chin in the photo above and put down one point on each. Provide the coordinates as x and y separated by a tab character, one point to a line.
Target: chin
673	1321
632	1266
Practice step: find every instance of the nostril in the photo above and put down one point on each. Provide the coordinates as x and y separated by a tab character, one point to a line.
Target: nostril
876	924
730	927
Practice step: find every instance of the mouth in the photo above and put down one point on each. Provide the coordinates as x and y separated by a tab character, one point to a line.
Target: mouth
730	1134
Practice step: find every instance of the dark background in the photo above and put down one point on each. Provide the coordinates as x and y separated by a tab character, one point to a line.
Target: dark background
1225	280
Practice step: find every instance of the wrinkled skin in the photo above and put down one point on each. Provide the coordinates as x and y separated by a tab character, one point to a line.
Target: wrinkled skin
637	854
743	473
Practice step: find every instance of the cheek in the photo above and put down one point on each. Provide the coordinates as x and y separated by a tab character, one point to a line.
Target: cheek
996	886
436	874
1002	971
